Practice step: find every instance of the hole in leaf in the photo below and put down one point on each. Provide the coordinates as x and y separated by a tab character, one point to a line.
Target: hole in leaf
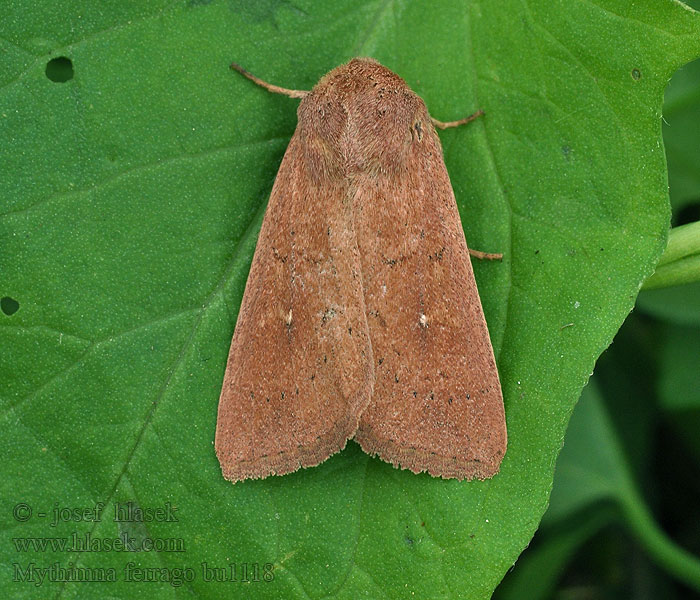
59	69
9	305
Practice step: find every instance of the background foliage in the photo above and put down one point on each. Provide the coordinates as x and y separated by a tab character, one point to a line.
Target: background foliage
135	172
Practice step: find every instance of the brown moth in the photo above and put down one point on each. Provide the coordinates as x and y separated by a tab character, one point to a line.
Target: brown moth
361	316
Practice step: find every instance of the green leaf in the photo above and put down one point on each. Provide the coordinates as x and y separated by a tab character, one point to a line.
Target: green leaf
679	382
592	467
646	356
131	199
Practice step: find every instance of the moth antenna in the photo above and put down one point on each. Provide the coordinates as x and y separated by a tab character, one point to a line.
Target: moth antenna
275	89
447	124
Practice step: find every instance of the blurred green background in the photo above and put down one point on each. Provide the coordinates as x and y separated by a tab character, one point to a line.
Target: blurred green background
625	503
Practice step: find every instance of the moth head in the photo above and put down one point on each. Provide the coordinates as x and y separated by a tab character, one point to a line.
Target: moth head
365	117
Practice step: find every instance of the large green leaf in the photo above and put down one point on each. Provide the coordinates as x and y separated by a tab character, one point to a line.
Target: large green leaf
132	194
653	437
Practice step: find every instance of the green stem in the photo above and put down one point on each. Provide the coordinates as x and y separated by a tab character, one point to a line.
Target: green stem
677	561
680	263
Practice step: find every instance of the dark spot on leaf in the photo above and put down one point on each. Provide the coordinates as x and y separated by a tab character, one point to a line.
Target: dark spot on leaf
60	69
636	74
9	305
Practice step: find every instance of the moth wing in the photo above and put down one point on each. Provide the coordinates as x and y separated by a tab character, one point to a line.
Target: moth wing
299	370
437	403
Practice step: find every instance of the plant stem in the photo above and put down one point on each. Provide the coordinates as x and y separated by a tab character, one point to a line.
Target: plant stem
680	263
677	561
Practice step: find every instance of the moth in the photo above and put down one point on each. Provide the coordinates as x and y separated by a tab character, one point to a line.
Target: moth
361	317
